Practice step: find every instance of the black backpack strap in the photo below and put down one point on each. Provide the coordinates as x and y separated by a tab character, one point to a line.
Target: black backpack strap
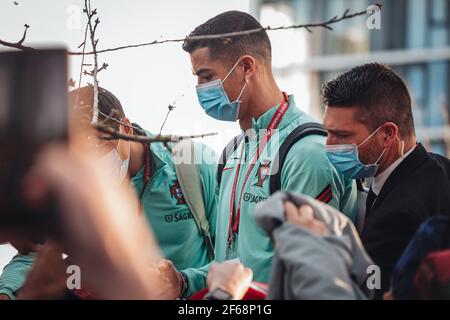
305	129
226	153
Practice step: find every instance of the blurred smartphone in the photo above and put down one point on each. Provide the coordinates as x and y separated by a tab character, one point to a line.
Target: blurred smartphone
33	112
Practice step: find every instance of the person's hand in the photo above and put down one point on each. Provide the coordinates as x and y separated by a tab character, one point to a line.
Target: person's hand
47	277
4	297
304	217
172	279
231	277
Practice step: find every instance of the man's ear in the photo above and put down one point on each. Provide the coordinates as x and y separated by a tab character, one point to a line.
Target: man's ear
249	64
127	128
390	133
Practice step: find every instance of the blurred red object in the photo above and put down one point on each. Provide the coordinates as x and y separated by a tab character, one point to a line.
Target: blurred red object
256	291
84	294
433	277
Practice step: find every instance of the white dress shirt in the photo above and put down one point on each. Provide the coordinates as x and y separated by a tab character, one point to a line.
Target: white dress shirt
380	179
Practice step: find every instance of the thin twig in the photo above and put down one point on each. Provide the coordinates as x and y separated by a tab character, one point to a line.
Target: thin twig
24	34
19	44
92	28
113	134
82	63
171	107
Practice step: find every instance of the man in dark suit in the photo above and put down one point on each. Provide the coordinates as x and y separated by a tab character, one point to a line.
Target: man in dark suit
371	134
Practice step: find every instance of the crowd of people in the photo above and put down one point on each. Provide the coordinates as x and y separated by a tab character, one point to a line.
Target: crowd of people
350	208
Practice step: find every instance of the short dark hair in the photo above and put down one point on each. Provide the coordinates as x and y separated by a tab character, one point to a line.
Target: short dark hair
82	100
377	91
231	48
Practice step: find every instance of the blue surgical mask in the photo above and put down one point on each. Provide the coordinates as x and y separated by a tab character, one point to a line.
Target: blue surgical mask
345	158
214	100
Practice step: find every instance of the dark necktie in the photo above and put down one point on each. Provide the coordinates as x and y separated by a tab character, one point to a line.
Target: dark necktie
371	197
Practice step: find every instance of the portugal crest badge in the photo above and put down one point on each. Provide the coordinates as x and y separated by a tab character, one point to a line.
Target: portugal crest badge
175	191
262	173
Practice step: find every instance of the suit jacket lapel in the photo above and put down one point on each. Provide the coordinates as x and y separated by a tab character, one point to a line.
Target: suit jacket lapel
405	168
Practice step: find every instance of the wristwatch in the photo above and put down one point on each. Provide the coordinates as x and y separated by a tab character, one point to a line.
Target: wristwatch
185	284
218	294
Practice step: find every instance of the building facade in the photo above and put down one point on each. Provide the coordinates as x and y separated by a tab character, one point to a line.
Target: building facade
413	38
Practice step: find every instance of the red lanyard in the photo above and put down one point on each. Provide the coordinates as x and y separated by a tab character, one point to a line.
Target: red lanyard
233	227
147	168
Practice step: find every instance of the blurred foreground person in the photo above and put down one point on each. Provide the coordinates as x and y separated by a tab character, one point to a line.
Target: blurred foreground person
56	197
423	270
102	232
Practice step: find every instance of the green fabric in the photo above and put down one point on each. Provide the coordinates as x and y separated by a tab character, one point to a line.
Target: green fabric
196	279
306	170
14	274
171	220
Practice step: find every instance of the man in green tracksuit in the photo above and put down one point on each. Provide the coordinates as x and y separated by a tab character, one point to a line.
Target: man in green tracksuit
235	83
306	170
153	175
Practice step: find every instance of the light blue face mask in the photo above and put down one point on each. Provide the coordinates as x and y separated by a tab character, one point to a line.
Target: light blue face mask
214	100
346	159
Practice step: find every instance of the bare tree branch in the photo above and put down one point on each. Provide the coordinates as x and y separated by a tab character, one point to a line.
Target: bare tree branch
326	24
24	34
82	63
113	134
92	28
308	27
103	67
171	107
19	44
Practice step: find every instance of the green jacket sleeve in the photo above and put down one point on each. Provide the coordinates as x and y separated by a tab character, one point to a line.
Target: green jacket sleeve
196	279
307	170
14	274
